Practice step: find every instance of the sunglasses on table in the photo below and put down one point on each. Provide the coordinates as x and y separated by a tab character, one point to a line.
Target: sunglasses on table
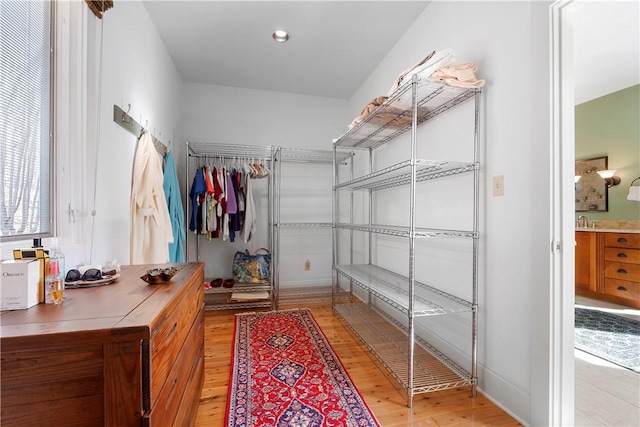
90	275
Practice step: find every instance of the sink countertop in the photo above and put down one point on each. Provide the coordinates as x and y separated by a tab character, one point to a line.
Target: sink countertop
610	230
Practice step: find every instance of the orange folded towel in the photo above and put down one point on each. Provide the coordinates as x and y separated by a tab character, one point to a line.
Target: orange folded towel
372	105
461	75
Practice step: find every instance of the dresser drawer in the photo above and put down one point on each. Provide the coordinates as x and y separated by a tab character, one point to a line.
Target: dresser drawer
631	256
622	289
622	240
65	383
622	271
176	392
169	335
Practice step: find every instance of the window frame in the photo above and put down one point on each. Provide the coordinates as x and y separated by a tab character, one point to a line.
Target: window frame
52	158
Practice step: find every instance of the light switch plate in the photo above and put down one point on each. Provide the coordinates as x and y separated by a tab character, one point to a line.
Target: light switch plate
498	185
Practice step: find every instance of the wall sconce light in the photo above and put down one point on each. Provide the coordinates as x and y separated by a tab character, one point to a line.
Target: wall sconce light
577	178
609	177
634	191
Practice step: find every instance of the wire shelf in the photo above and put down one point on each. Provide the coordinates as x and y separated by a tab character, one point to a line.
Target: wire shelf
400	231
393	289
417	365
237	305
238	287
220	298
393	117
432	371
304	225
308	295
400	174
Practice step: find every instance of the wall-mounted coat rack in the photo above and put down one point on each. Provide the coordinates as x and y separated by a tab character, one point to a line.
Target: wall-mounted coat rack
127	122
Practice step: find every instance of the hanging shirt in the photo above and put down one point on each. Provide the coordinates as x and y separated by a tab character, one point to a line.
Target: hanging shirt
150	223
249	226
197	188
176	214
236	220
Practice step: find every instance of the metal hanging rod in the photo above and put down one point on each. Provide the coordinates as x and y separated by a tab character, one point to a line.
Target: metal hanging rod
206	149
302	155
128	123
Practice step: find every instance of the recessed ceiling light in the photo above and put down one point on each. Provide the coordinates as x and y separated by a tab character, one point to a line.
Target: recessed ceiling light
280	36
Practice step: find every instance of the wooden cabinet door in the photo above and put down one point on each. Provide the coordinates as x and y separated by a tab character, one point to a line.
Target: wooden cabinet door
586	265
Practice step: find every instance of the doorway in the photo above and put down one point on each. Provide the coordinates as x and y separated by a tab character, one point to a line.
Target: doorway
574	389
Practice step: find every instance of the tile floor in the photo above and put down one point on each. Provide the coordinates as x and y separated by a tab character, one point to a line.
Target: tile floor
605	394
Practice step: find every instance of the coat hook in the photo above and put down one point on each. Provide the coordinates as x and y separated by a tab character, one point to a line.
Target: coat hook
125	114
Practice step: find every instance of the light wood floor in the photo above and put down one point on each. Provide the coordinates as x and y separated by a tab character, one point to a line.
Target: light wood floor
383	395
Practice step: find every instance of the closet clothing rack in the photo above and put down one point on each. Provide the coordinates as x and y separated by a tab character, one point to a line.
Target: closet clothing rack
292	156
128	123
225	152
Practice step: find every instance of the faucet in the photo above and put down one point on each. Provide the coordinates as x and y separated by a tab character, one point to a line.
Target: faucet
582	219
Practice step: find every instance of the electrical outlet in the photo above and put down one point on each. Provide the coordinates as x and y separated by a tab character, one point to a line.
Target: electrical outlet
307	265
498	185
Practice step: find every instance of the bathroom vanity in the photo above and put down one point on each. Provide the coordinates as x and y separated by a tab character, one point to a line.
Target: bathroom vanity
608	265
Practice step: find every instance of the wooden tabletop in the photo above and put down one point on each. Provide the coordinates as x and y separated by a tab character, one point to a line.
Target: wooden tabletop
113	312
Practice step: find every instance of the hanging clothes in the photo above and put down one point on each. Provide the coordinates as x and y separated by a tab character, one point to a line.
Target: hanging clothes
176	213
222	205
198	187
249	227
151	230
232	205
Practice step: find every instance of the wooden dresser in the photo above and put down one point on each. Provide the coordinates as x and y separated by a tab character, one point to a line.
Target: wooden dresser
608	266
125	354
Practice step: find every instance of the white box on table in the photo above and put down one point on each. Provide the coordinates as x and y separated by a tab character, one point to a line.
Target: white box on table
20	284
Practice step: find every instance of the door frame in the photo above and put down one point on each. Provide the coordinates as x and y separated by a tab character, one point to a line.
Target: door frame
562	363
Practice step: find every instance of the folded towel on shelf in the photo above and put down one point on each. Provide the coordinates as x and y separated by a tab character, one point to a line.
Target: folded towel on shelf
429	64
396	82
461	75
355	122
384	115
372	105
398	114
249	296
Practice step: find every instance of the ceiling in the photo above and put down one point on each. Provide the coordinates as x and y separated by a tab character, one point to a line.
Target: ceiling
606	47
336	45
333	48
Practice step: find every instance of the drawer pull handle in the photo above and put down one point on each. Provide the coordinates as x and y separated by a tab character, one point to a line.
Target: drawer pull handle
622	288
173	329
622	271
622	240
622	255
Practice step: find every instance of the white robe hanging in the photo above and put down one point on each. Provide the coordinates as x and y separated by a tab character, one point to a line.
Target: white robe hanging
151	230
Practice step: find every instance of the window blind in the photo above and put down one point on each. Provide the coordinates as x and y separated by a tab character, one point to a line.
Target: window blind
25	112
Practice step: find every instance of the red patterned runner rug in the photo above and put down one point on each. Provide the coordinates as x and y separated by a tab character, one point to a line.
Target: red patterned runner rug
284	373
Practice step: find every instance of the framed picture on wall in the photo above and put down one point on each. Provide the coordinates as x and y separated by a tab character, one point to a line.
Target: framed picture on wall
591	190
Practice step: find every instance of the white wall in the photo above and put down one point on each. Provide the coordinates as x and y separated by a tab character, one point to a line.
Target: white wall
137	70
228	115
498	37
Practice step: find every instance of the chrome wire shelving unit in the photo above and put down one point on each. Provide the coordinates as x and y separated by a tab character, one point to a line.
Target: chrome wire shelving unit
221	298
379	297
292	156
